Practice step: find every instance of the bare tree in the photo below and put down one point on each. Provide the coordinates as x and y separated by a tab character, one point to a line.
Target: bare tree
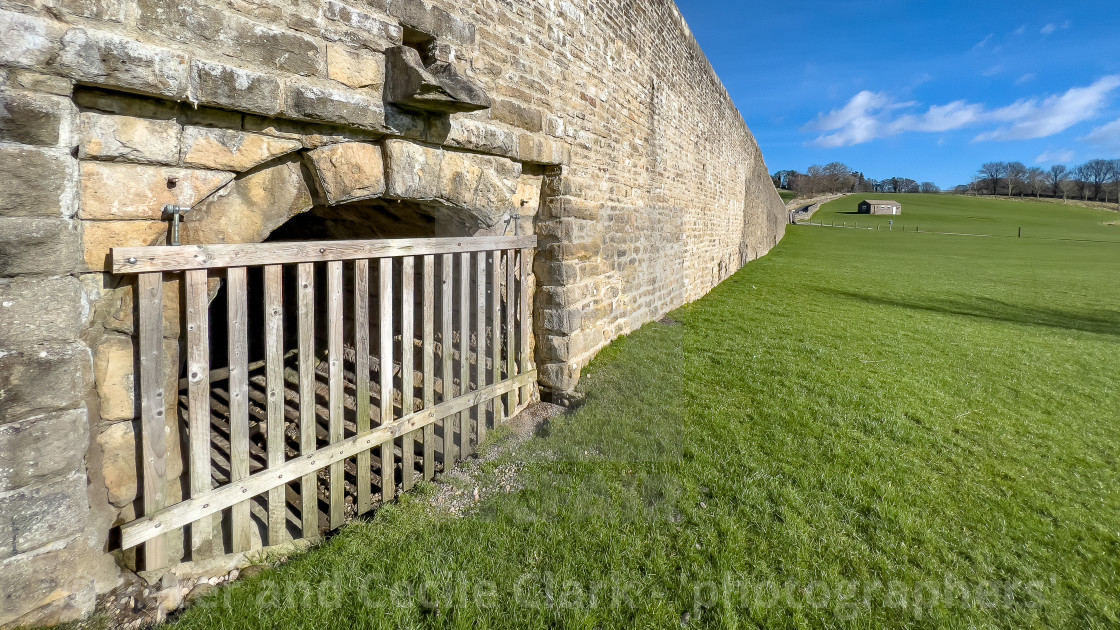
1116	181
992	173
1097	173
930	188
1016	173
1056	175
1036	179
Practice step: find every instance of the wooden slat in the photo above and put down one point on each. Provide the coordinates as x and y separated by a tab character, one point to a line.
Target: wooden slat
151	259
523	310
385	326
309	505
178	515
275	385
198	399
361	380
153	407
408	367
495	292
464	351
238	313
480	343
429	362
335	383
450	452
510	295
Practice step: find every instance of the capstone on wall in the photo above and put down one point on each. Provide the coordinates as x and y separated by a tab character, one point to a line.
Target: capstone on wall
600	126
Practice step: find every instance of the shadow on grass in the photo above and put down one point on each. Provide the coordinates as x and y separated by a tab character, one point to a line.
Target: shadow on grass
1099	321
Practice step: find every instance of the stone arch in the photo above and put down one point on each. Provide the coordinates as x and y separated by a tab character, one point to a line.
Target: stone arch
354	190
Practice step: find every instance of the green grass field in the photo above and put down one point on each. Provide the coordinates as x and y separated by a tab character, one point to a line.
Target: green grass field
787	195
864	429
987	216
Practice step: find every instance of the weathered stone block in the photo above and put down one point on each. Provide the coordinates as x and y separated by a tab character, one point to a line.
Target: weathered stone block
349	171
484	185
44	378
355	68
29	42
39	447
128	139
35	182
121	455
235	88
250	208
45	588
357	27
104	59
518	115
475	135
228	150
34	119
32	245
271	47
540	149
105	10
114	372
34	311
39	82
432	20
134	191
319	101
100	237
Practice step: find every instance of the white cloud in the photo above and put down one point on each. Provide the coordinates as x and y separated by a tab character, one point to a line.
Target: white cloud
1051	28
984	42
1026	78
1054	157
1036	118
1107	136
870	116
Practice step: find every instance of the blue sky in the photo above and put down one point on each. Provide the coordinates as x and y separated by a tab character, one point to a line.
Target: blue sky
919	89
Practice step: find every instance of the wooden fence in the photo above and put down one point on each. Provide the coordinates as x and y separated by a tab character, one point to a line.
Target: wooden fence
296	438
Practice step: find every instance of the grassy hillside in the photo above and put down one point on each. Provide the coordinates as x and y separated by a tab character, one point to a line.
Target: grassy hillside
787	195
864	429
989	216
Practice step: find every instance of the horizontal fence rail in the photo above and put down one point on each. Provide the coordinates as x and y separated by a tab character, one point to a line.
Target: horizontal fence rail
318	377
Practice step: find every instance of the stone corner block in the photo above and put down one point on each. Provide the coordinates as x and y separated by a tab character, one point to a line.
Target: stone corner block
306	99
112	191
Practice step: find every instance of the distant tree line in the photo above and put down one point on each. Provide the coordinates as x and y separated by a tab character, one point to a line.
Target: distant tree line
1096	180
840	178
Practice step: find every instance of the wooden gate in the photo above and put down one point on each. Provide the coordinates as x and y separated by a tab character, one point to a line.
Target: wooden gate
426	345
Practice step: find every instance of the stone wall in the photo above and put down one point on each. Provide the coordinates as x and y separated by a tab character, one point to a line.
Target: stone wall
599	126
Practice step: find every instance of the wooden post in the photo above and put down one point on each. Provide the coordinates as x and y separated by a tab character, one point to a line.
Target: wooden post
480	345
408	368
198	393
448	304
239	400
153	408
511	398
429	362
308	489
464	351
275	386
385	325
523	294
496	329
361	385
337	408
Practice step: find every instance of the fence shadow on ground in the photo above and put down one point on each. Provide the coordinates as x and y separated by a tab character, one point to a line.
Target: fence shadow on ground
1098	321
